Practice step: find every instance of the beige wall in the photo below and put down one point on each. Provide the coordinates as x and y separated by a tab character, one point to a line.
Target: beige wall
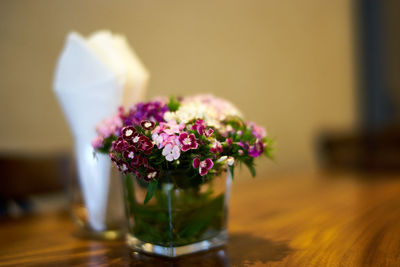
286	64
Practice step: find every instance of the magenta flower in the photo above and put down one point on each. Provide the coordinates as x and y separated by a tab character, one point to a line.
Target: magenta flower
208	132
138	161
120	144
216	147
199	126
188	141
128	132
129	153
148	125
257	149
203	166
171	152
146	145
229	142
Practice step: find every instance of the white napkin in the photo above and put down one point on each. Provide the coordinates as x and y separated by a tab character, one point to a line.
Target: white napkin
93	77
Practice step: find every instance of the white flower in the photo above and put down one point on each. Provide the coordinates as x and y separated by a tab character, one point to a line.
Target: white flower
206	107
229	160
222	159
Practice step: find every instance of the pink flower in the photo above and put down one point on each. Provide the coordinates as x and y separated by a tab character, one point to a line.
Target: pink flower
97	142
109	126
258	131
160	128
216	147
173	127
187	141
203	166
158	140
171	152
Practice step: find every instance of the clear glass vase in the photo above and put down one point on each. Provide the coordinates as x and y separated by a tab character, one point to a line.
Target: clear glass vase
181	218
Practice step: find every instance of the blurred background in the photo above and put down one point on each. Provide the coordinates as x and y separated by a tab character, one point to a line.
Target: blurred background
322	76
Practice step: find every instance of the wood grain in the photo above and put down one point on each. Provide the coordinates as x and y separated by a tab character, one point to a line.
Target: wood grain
314	219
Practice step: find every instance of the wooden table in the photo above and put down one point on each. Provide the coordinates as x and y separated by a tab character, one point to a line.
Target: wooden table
293	220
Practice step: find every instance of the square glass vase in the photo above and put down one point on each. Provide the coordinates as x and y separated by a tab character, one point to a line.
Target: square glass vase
182	217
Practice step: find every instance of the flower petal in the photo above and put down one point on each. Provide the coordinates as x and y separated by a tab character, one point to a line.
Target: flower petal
203	171
196	163
209	163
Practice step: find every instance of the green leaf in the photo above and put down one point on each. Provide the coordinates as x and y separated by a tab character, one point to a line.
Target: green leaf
173	104
250	165
150	191
252	170
269	149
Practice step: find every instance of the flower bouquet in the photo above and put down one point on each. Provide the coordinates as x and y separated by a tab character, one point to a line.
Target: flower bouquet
177	157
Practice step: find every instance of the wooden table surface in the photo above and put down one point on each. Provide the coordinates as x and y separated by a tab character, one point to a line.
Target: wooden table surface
313	219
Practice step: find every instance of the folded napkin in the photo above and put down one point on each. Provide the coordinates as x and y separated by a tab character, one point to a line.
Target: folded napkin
93	77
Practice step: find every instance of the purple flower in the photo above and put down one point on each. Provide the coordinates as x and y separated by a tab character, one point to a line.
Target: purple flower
243	145
203	166
187	141
257	149
153	111
171	152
